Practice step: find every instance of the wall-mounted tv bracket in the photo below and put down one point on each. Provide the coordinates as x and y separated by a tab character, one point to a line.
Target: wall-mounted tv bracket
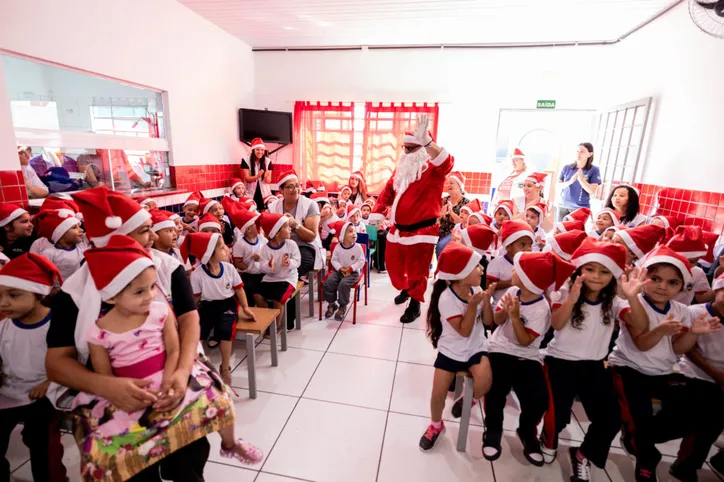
281	146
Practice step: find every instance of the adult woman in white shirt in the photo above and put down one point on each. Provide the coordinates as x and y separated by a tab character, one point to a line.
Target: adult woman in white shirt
257	173
512	186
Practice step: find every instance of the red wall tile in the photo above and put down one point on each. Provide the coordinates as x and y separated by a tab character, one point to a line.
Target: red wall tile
12	187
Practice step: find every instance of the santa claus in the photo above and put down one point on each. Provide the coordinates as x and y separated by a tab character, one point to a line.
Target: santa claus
412	196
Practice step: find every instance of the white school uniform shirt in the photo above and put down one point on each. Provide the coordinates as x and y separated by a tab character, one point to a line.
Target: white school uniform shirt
360	228
500	269
536	318
68	261
175	253
660	359
594	234
710	345
539	235
326	226
215	287
698	286
245	250
354	257
22	349
451	343
636	221
194	224
40	245
289	274
32	177
591	340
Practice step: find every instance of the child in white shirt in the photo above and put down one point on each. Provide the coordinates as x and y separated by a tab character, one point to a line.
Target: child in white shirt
455	326
24	283
534	216
66	241
348	259
354	215
689	242
246	253
516	237
190	218
217	288
167	236
280	259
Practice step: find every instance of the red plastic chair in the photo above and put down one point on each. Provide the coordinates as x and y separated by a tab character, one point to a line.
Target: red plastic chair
360	282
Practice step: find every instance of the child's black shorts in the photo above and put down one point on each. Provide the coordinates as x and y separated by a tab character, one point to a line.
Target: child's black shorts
449	365
252	283
220	316
279	291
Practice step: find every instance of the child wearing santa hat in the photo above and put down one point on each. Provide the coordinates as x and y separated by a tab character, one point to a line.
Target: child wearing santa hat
643	362
341	211
348	259
479	238
216	209
609	233
246	253
24	284
209	224
280	259
606	218
328	217
191	210
580	214
584	314
639	241
666	222
237	190
344	193
523	316
516	237
138	338
17	233
167	238
703	368
458	309
148	204
217	288
690	243
504	211
534	216
354	216
66	241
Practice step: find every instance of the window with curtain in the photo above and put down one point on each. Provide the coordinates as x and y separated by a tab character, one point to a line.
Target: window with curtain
336	139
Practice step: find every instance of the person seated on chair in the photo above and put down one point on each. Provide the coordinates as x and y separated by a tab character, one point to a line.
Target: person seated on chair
348	260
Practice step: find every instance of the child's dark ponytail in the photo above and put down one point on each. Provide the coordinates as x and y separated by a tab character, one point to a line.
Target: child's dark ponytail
434	324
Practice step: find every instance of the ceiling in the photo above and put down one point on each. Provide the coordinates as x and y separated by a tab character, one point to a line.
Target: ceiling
354	23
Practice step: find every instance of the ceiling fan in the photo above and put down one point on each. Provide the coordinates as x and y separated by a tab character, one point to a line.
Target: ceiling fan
708	15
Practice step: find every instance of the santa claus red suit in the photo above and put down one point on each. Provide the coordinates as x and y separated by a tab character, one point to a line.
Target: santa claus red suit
413	197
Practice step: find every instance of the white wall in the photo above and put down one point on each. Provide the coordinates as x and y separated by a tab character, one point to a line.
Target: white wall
471	86
669	59
158	43
683	69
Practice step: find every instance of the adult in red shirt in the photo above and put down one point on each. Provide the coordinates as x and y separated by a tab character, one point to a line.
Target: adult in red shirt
413	195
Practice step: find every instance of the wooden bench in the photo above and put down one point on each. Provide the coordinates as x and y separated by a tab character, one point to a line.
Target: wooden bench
265	317
464	379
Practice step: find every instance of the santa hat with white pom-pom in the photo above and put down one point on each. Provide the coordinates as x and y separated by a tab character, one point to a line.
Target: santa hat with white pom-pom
107	213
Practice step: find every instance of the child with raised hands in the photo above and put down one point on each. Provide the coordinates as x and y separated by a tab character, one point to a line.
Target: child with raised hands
523	316
138	338
703	369
644	361
455	327
217	288
25	283
516	237
280	260
190	219
348	259
584	313
66	240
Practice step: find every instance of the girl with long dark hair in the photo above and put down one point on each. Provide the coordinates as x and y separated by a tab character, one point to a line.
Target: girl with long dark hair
257	173
625	200
458	309
358	188
584	313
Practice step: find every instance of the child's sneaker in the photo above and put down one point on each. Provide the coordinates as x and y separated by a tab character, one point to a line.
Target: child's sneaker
645	474
331	308
457	409
431	434
549	455
339	316
580	466
244	452
491	446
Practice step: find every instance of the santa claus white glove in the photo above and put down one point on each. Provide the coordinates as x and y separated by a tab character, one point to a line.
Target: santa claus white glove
422	132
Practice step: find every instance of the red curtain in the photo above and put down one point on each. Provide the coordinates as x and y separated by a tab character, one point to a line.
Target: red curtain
324	141
385	126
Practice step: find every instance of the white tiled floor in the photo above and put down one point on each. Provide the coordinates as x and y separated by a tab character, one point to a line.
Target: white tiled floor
348	403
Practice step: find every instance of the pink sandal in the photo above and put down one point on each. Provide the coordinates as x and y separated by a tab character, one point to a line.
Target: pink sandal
251	455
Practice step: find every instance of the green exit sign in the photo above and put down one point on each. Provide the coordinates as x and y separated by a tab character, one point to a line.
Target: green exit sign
546	104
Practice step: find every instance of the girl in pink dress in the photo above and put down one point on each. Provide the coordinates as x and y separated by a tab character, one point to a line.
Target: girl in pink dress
138	338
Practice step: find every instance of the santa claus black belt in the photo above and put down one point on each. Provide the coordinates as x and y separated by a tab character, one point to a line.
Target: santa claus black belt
409	228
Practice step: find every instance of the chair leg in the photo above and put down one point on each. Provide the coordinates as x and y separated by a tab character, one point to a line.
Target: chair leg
459	386
251	364
310	293
354	307
273	339
366	290
465	418
298	311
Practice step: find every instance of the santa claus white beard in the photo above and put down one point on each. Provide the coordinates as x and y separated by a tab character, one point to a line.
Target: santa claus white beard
409	168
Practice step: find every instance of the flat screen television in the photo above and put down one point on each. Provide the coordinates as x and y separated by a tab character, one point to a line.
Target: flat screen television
271	126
